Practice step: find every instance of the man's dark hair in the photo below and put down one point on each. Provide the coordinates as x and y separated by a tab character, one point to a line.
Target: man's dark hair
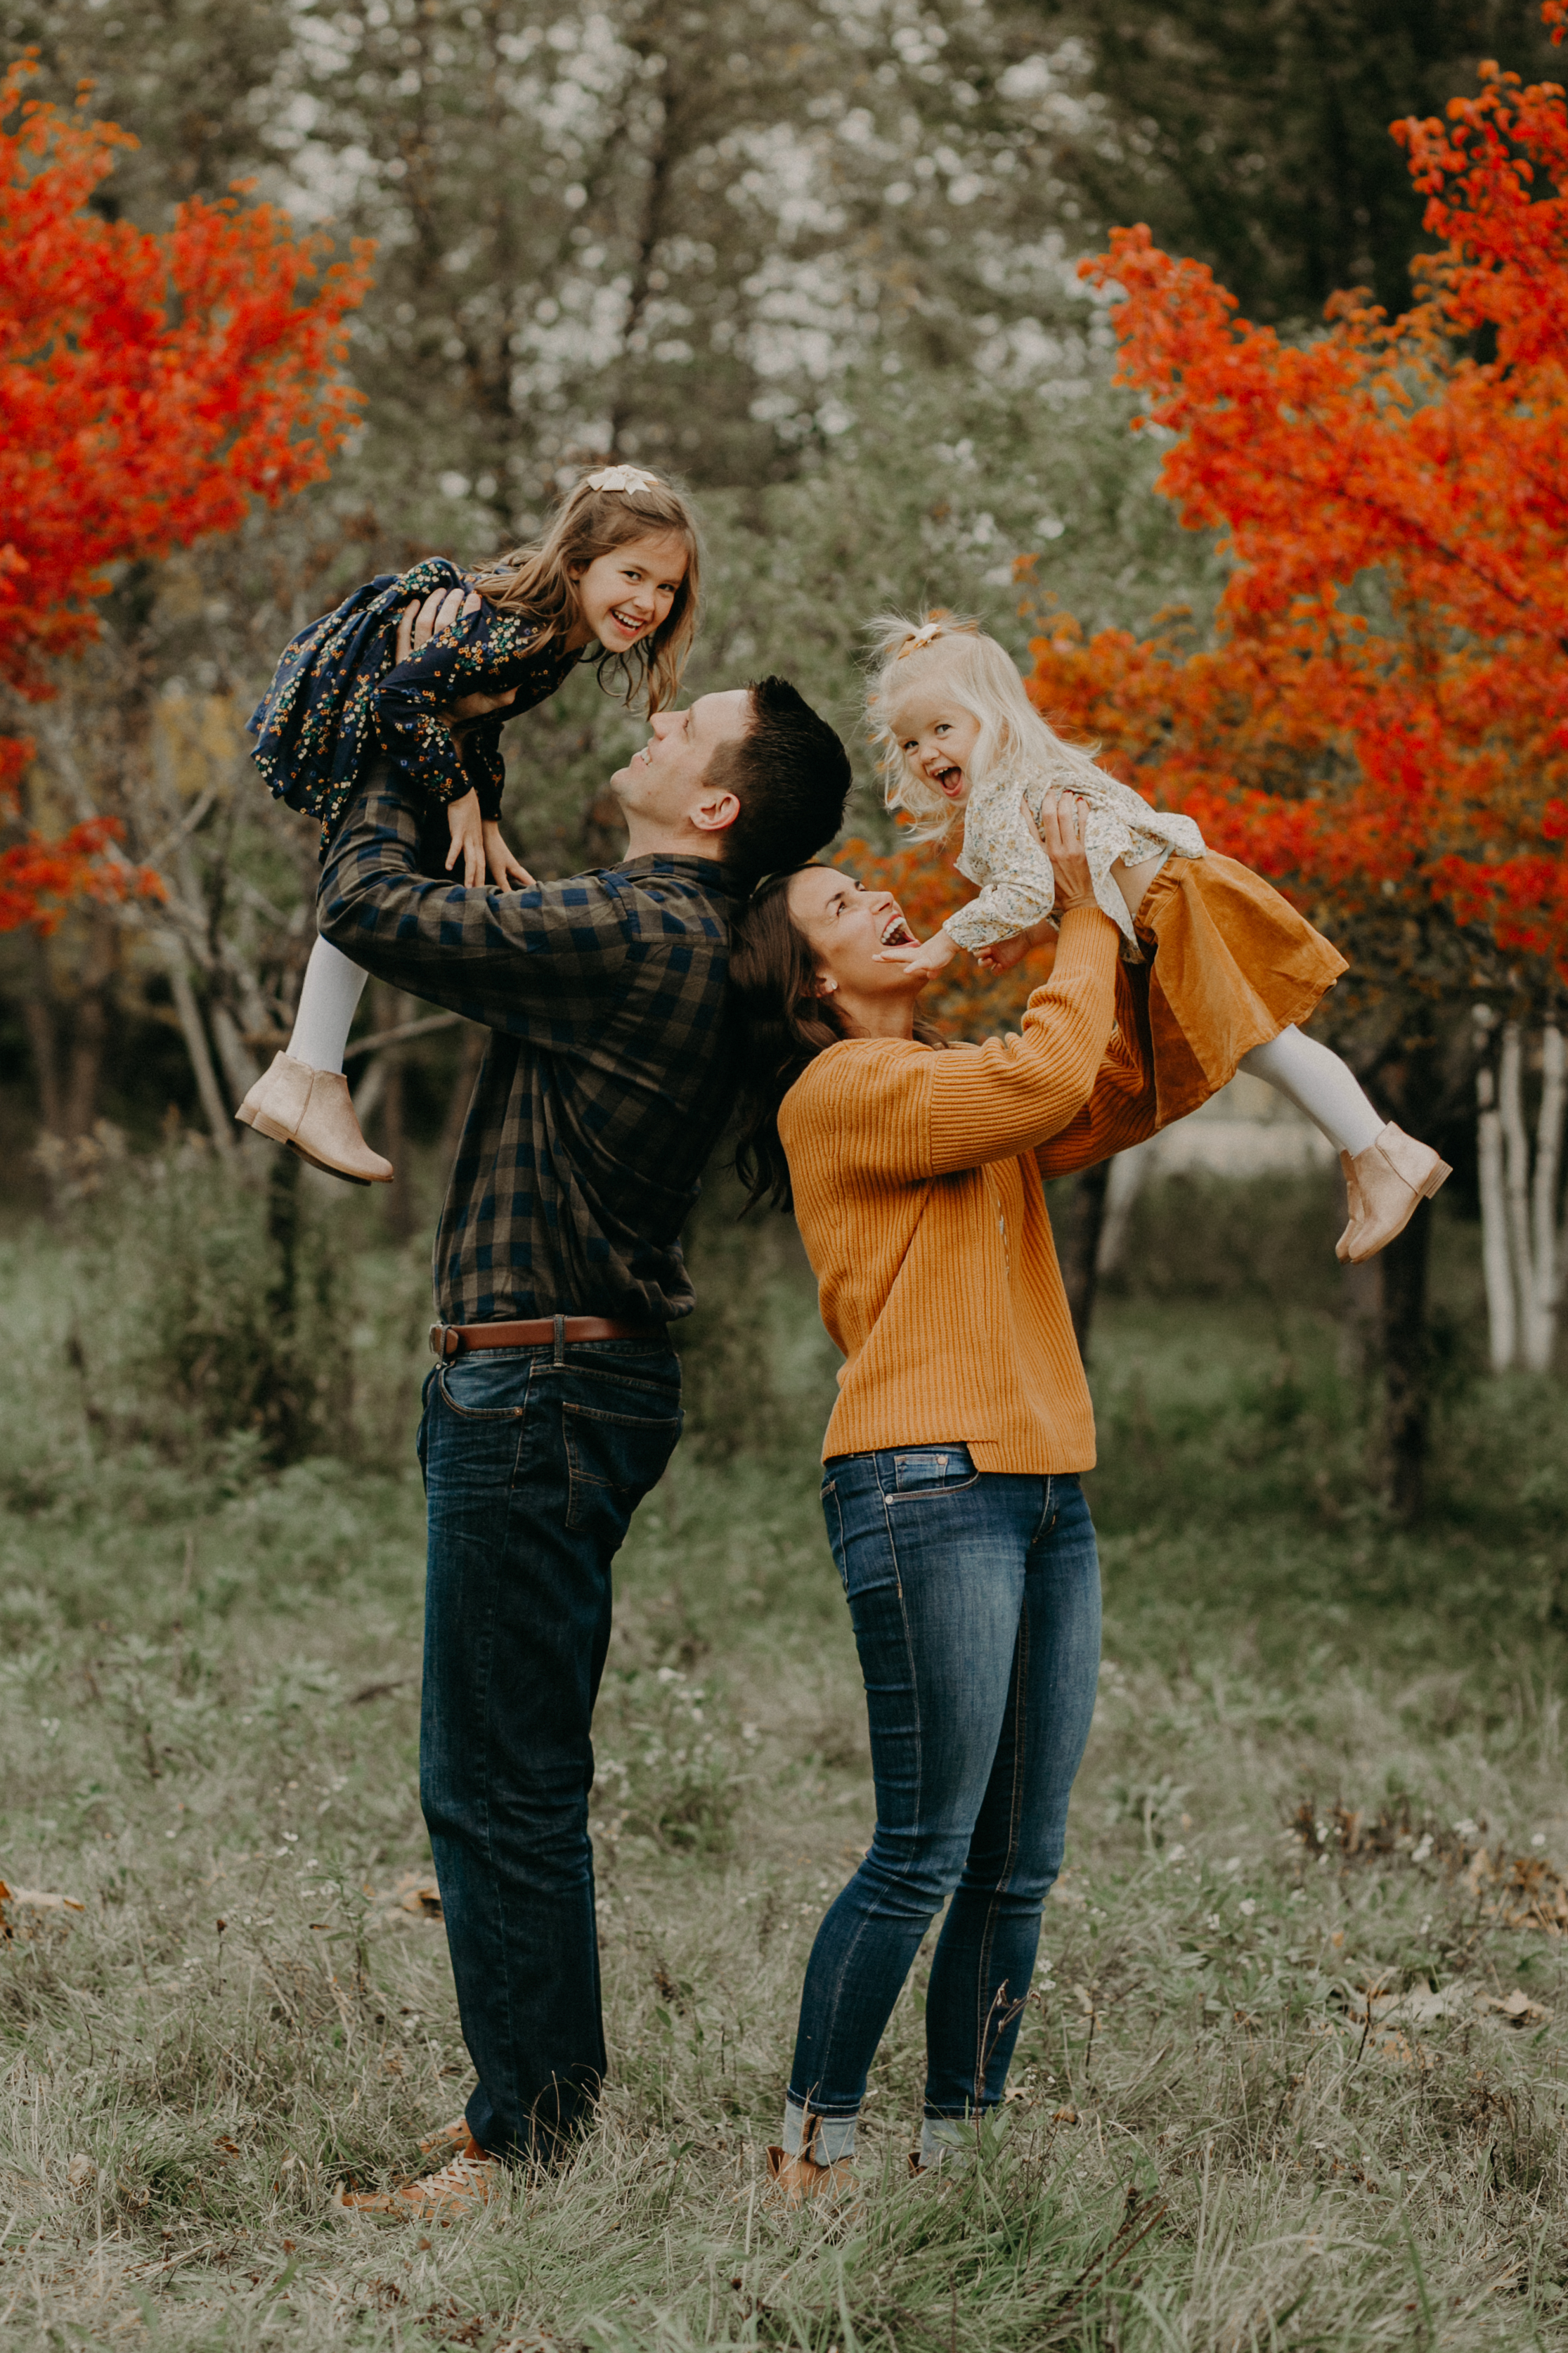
791	775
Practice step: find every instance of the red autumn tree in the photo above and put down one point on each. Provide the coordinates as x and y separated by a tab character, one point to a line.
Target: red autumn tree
151	388
1378	720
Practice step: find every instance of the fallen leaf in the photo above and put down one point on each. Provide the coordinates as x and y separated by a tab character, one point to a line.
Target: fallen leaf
34	1899
1516	2007
412	1895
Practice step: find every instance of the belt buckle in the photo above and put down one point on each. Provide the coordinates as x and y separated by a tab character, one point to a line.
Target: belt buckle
445	1342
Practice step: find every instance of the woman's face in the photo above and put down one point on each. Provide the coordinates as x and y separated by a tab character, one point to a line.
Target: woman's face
625	595
847	928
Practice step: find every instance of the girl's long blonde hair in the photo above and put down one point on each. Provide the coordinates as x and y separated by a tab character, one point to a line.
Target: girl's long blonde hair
603	511
944	653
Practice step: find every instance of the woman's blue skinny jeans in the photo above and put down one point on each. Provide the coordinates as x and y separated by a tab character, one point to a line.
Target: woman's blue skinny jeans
974	1597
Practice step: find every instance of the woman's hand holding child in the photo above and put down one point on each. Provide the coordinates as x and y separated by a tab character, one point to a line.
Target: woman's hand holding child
1060	830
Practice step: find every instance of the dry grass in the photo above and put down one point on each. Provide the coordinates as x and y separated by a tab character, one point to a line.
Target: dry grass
1239	2120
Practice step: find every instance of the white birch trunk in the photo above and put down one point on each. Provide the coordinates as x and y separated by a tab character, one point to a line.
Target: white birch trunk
1516	1168
1128	1171
1546	1269
1496	1258
219	1118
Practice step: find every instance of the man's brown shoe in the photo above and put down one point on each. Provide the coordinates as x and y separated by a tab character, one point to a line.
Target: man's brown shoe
798	2178
459	2189
453	2136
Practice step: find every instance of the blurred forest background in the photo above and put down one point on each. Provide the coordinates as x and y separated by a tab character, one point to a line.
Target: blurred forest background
818	263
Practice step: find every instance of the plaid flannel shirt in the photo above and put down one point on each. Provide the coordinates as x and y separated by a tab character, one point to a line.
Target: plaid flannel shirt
611	1066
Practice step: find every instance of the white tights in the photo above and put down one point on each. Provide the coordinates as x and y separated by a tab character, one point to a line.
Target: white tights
1306	1073
328	1003
1318	1083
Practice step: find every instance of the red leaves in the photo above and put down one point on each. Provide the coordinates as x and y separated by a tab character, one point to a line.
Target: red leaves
1383	714
150	388
1379	723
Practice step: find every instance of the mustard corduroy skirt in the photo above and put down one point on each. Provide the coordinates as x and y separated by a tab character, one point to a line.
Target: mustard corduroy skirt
1233	965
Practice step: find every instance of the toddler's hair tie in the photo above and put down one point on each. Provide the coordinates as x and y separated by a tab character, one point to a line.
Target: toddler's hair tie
623	478
939	624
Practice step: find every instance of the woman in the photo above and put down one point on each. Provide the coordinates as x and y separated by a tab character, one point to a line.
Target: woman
951	1459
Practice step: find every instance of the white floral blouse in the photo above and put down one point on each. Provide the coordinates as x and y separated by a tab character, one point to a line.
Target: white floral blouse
1001	854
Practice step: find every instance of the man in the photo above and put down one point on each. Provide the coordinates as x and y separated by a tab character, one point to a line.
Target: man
554	1404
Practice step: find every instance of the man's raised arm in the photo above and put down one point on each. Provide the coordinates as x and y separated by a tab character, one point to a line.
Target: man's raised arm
510	959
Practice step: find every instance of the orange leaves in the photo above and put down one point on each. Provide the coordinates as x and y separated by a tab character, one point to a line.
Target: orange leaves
38	879
151	388
1383	715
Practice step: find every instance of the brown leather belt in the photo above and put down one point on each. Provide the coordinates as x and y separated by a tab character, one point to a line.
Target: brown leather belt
448	1340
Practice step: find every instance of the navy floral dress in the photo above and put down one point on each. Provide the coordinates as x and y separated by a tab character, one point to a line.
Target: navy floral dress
340	697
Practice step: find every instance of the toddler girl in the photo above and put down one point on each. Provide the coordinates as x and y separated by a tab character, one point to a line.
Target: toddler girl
614	578
1236	967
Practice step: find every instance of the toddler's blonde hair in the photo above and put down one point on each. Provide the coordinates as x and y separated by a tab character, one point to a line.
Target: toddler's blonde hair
945	653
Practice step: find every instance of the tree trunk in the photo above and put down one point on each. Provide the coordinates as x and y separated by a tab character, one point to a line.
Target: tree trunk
1540	1328
88	1029
219	1118
1406	1363
1081	1250
1496	1267
38	1014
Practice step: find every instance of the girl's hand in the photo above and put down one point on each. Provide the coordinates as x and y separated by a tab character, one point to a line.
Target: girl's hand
1060	831
467	838
503	868
922	961
1002	954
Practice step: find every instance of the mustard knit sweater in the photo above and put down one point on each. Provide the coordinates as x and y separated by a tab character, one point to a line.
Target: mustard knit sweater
917	1179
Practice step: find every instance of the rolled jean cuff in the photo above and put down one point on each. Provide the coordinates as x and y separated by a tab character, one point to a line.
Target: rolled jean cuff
941	2136
832	2136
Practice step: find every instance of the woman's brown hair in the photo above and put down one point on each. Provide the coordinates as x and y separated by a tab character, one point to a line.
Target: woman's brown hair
788	1022
602	511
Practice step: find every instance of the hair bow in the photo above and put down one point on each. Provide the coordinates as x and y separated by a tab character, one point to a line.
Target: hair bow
622	478
918	638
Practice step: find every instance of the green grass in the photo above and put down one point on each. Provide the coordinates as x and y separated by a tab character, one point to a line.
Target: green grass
210	1715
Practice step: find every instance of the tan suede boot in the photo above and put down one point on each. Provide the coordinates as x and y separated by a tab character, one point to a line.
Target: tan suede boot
259	1095
1353	1205
313	1111
1384	1183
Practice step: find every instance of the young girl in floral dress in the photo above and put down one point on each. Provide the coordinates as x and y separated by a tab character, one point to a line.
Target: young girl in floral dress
613	580
1236	968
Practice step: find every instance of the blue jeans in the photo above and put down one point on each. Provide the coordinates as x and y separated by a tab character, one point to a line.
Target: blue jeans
534	1460
974	1597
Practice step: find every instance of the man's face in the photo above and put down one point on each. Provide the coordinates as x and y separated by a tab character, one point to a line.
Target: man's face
664	785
